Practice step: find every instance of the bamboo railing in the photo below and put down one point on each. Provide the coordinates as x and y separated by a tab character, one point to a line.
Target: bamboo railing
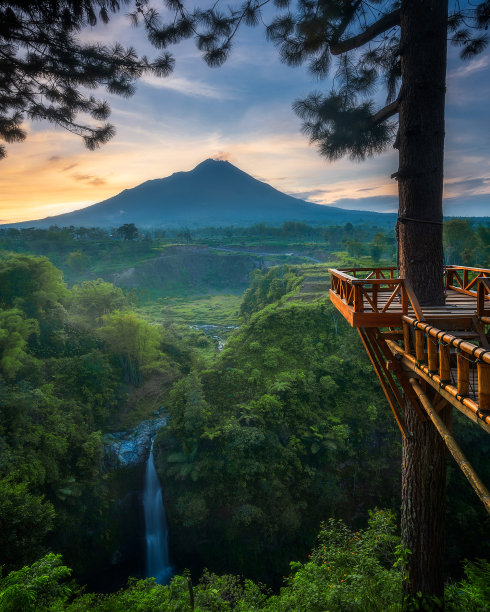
459	367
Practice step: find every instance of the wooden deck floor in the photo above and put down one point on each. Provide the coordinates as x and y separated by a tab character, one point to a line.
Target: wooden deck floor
456	313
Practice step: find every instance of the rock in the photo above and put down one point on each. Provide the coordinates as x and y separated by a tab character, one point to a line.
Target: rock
131	448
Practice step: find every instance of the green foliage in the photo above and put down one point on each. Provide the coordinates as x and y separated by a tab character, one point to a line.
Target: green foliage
15	331
270	440
25	519
93	299
268	286
473	593
32	284
38	587
134	341
348	570
59	388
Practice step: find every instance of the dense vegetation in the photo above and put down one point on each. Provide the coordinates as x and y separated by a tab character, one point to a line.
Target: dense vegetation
347	570
284	428
68	361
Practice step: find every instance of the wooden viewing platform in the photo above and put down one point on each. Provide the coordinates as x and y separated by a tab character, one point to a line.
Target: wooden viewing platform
434	356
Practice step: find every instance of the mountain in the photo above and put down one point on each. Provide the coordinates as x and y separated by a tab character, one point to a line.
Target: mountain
213	193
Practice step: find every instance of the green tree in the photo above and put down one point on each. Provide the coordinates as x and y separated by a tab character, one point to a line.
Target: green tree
93	299
134	341
459	241
25	519
15	331
128	231
30	283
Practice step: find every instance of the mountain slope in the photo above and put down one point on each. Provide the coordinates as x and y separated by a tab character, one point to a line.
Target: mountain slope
213	193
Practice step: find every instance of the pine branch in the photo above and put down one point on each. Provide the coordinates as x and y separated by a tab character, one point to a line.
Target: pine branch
385	113
385	23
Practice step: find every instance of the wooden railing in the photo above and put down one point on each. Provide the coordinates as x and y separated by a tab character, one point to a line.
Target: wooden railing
373	288
460	368
471	281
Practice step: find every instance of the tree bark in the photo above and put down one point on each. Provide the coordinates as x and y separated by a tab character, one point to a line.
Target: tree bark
423	41
423	507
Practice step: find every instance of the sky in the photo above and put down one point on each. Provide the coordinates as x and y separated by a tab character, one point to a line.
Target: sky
241	112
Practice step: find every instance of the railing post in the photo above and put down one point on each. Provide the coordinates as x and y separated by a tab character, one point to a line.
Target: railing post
375	289
483	385
432	360
358	303
463	374
444	362
404	300
449	278
482	287
419	345
407	345
465	278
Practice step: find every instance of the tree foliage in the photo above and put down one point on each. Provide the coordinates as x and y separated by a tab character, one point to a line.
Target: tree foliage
48	73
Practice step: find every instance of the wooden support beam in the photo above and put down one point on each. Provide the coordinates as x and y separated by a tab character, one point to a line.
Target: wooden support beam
473	478
381	373
401	377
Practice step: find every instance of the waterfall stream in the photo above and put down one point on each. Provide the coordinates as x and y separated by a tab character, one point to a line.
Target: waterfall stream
156	532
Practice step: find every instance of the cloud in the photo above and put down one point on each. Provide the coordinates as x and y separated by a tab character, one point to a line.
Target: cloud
310	193
374	203
466	186
54	158
189	87
466	69
96	181
69	167
222	156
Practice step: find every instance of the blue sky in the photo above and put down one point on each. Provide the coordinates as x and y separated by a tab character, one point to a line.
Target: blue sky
241	112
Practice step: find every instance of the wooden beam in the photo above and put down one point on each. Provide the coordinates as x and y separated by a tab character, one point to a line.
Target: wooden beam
472	477
387	391
401	377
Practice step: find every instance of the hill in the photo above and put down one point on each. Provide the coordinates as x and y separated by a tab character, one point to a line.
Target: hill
213	193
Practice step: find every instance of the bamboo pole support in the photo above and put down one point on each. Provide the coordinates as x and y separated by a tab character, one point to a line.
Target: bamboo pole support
473	478
444	362
463	375
483	386
432	360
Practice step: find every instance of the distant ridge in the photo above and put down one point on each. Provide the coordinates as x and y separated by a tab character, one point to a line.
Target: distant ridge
214	193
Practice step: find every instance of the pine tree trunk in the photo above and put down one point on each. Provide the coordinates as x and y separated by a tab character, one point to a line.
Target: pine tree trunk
423	507
420	176
421	146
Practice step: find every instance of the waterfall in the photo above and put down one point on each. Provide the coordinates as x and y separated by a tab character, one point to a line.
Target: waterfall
156	532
